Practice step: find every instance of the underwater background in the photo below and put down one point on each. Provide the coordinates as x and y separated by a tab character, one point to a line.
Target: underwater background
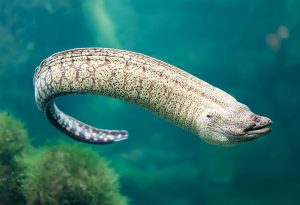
250	49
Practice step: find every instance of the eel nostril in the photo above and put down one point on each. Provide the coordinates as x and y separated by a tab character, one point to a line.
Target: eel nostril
257	119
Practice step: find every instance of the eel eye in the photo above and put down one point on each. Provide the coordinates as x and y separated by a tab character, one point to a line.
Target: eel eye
208	116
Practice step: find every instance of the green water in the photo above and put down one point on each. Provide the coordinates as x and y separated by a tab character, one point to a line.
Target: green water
250	49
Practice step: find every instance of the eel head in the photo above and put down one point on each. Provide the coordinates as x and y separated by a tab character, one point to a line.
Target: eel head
231	125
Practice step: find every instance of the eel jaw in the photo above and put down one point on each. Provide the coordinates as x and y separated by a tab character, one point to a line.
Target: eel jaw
259	127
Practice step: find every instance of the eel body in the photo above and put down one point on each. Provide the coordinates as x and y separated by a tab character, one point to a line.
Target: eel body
171	93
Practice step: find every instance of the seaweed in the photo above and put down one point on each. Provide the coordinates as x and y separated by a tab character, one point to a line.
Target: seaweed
13	142
61	174
67	174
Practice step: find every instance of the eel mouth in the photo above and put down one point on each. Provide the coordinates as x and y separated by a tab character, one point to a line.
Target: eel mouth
260	126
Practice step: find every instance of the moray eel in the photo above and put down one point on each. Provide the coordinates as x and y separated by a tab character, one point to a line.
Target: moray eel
171	93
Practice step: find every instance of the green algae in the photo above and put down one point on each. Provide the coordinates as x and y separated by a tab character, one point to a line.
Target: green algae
67	174
13	141
62	174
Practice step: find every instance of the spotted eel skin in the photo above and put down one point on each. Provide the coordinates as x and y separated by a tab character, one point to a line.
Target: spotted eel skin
157	86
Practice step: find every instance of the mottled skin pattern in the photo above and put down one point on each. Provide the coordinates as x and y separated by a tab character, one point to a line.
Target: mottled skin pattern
157	86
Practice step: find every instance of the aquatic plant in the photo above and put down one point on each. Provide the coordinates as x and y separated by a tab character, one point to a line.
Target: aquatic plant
66	174
61	174
13	140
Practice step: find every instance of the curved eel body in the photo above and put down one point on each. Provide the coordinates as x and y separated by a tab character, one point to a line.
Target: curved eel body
169	92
